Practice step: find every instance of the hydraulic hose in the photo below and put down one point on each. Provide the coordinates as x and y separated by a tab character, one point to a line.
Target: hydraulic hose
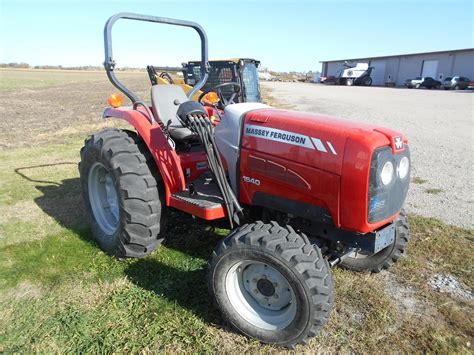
199	123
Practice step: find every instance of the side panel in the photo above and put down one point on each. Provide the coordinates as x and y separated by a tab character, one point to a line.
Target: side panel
273	176
165	157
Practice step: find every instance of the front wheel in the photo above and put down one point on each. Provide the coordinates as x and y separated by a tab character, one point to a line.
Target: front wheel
350	82
270	283
384	259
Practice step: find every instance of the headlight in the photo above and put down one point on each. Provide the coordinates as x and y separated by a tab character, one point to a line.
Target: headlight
403	167
386	175
388	183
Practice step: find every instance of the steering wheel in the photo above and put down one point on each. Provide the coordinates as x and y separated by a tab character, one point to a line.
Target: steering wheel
218	89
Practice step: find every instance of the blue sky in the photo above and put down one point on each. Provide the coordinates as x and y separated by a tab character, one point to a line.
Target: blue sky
284	35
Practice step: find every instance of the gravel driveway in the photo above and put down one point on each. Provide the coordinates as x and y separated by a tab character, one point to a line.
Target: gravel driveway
440	128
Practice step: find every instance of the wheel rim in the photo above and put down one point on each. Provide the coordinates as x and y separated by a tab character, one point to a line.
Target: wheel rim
103	198
261	295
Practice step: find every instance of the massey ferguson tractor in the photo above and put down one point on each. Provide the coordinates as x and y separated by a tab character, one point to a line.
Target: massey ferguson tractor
300	192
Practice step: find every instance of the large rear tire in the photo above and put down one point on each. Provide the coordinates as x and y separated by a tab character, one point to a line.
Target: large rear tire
386	257
270	283
123	194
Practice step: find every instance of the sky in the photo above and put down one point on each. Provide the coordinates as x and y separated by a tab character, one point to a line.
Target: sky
283	35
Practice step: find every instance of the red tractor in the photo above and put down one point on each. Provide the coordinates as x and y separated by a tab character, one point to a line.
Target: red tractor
300	192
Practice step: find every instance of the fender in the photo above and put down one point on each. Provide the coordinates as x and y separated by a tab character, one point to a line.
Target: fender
166	159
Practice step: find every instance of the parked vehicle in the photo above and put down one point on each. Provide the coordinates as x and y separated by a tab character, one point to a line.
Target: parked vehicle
420	82
358	74
301	193
456	83
470	86
328	79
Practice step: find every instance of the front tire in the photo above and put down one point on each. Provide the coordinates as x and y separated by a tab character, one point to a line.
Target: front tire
270	283
350	82
122	195
385	258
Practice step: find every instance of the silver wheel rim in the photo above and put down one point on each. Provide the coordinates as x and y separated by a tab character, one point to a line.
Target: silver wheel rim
261	295
103	199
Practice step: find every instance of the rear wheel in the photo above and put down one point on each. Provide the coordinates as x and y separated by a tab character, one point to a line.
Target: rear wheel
384	259
122	195
350	82
367	81
271	284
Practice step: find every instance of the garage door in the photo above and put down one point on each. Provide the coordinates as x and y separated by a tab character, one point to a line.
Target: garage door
378	73
430	67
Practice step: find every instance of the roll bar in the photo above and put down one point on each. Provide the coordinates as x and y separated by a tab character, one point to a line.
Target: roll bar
109	63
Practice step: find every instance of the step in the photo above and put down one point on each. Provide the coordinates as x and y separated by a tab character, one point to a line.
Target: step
205	202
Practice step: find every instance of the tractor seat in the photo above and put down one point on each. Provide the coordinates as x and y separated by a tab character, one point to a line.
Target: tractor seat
165	100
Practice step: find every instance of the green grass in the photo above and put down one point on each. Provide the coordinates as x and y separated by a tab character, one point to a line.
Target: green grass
418	180
433	191
60	293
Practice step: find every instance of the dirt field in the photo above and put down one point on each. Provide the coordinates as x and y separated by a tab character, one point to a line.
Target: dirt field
438	123
60	293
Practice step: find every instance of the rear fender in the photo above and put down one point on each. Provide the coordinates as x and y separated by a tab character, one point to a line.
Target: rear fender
166	159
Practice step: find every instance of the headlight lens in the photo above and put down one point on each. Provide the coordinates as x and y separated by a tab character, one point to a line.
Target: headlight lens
403	167
388	183
386	175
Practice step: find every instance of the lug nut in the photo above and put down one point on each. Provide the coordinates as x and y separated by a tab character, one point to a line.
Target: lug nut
275	285
254	280
256	291
275	295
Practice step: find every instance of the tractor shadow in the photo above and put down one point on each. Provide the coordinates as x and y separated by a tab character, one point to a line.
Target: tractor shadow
189	243
60	200
185	285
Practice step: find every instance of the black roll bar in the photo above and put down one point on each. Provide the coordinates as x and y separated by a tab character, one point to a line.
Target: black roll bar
109	63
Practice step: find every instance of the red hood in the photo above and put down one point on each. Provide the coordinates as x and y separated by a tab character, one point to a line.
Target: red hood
319	140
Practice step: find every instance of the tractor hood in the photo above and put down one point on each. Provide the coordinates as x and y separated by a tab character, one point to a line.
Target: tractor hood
314	140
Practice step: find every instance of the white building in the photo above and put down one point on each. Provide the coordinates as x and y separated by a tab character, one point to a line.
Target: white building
397	68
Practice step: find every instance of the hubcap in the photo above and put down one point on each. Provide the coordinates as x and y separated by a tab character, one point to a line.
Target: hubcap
261	295
103	199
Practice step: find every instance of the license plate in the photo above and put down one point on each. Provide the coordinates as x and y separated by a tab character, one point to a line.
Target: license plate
384	237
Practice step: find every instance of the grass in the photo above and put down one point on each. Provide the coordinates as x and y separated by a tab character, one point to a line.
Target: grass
418	180
433	191
60	293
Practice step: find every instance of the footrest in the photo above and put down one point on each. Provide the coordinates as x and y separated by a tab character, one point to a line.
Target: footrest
203	199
